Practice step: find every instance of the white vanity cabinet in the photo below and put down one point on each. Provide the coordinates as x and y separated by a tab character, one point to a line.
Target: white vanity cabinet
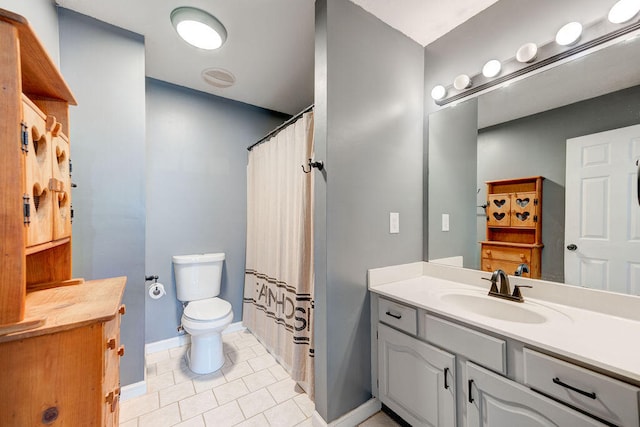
496	401
415	379
436	371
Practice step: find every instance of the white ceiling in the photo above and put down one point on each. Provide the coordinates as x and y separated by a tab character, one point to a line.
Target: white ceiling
270	44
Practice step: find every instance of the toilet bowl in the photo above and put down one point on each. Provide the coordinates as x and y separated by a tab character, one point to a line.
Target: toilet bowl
205	320
205	316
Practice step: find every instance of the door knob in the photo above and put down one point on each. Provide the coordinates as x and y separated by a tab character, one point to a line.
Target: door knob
572	247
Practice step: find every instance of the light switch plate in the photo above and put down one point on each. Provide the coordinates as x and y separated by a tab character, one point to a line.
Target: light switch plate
445	222
394	222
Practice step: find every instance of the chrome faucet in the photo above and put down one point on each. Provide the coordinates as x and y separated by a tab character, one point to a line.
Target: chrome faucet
522	268
505	289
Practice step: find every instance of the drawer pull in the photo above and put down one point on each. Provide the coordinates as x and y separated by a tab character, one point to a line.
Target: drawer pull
121	351
590	395
122	310
470	383
446	384
395	316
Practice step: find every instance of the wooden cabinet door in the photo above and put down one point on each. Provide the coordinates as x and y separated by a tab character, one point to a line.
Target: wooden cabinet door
495	401
416	380
498	210
524	209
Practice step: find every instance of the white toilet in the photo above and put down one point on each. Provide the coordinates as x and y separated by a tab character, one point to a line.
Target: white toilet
198	280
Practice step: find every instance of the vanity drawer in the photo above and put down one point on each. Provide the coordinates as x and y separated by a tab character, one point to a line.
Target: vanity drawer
517	255
398	315
597	394
482	349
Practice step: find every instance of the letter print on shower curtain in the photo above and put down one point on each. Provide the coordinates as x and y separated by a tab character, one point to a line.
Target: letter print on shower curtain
278	284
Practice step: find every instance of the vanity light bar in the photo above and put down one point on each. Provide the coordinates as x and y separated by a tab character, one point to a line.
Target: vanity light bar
592	35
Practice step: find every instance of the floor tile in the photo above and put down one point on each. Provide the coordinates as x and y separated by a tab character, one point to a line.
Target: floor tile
137	406
169	365
284	390
238	355
306	405
160	381
209	381
163	417
157	357
258	349
245	342
183	373
380	419
224	416
178	352
192	422
152	370
196	405
256	402
175	393
279	372
286	414
228	338
257	421
130	423
262	362
305	423
259	380
230	391
236	370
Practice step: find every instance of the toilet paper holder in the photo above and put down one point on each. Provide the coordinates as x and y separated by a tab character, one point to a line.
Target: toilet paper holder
150	278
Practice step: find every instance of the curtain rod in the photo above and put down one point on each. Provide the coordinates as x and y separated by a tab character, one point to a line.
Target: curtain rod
279	128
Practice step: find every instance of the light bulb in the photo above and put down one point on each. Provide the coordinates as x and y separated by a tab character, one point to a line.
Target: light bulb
569	34
491	68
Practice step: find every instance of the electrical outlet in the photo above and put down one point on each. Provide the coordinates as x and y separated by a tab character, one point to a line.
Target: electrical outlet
445	222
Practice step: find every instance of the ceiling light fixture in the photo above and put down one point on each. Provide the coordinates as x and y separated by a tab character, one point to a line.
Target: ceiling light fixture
569	34
438	92
623	11
491	68
198	28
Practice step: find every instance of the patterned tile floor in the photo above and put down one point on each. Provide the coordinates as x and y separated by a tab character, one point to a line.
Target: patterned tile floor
251	389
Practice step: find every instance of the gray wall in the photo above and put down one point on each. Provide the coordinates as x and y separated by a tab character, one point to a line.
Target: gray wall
196	189
497	32
104	66
369	131
453	142
43	18
536	145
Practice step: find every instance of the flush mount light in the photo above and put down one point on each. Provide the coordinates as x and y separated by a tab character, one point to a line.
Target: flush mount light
491	68
569	34
462	82
624	11
527	53
438	92
198	28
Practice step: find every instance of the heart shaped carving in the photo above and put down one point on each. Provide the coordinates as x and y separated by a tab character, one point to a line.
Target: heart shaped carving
522	202
499	203
498	216
522	216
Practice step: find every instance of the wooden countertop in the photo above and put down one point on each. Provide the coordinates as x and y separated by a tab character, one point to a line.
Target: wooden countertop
68	307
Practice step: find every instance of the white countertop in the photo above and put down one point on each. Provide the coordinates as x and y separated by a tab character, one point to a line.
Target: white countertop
600	339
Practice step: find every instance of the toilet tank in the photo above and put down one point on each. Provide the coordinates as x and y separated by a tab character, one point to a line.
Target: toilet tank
198	276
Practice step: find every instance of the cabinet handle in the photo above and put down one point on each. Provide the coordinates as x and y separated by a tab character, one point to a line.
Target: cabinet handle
522	256
590	395
470	383
121	351
122	310
111	344
446	384
396	316
488	252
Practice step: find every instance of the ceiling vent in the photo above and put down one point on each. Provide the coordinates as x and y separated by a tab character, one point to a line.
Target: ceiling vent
218	77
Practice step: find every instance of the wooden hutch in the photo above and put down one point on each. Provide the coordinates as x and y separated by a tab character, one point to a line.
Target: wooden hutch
59	336
514	226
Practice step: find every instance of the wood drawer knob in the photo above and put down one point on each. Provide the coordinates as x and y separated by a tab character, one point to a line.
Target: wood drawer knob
488	252
111	344
522	256
122	310
121	351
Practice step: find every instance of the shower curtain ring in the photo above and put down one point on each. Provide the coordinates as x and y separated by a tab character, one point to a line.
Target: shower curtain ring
312	165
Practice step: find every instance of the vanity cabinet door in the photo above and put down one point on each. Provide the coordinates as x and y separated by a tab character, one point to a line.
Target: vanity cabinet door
416	380
495	401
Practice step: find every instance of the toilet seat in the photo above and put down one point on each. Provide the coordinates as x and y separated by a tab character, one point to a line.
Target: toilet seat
207	310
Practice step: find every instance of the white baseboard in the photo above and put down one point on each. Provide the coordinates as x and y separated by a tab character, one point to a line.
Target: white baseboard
350	419
185	339
133	390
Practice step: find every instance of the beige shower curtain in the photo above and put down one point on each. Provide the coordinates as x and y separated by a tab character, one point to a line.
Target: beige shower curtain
278	287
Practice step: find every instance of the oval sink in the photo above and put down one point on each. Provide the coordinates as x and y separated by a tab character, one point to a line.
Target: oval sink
494	308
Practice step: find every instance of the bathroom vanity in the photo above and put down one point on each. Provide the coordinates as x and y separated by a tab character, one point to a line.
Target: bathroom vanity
445	353
59	336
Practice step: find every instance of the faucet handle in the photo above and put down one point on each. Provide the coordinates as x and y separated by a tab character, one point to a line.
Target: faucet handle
517	294
494	286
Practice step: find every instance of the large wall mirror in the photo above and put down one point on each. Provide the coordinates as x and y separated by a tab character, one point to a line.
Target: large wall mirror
521	130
